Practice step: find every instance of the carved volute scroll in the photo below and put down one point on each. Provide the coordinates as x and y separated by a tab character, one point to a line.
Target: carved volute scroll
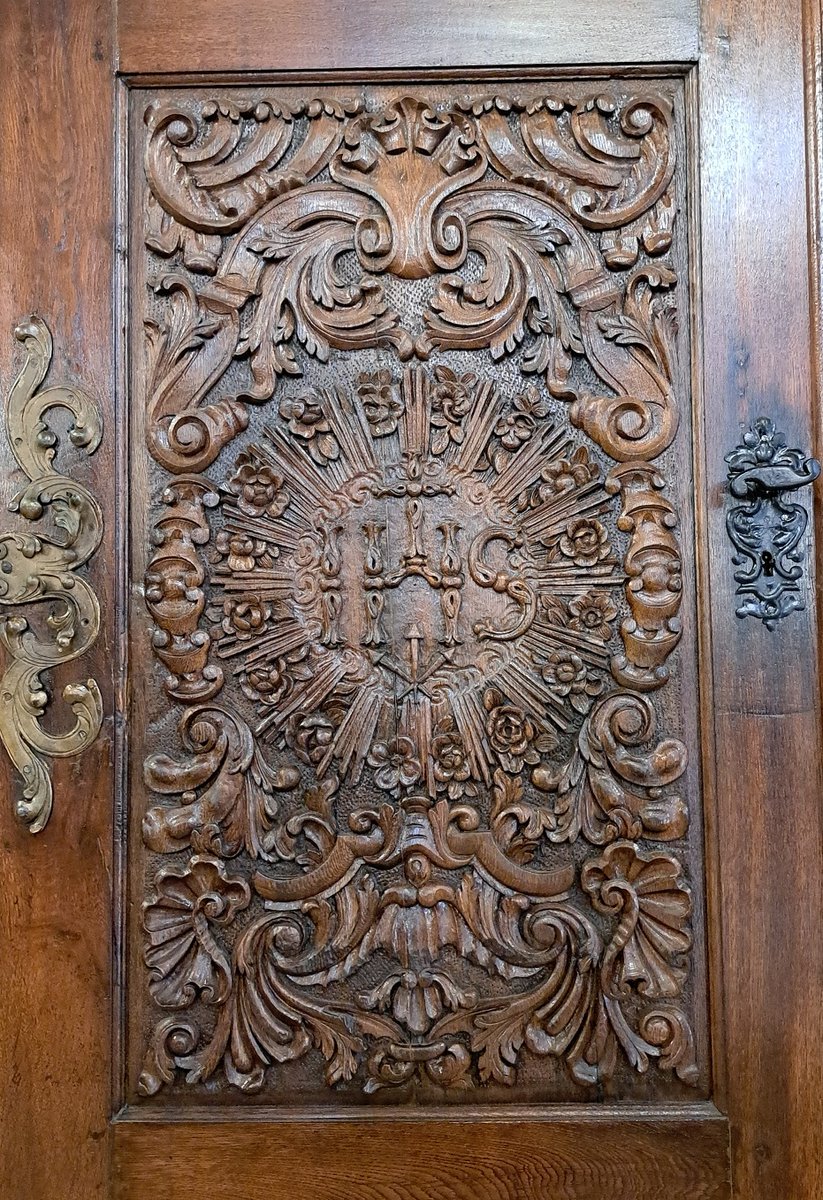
40	570
412	784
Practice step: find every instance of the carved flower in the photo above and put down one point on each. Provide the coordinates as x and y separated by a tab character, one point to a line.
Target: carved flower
567	675
266	684
242	552
763	441
512	734
451	766
592	613
566	474
585	541
518	425
513	429
381	402
307	422
182	954
258	487
452	398
310	737
244	618
396	767
648	894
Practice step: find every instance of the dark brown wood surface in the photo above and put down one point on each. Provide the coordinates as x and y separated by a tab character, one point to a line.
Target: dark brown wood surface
398	488
57	245
152	37
765	708
601	1159
761	718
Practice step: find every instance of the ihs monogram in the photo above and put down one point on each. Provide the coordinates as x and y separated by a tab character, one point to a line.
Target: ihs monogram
416	592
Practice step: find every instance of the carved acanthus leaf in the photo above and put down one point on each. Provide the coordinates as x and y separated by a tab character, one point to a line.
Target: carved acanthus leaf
236	807
208	174
410	577
414	192
611	788
564	988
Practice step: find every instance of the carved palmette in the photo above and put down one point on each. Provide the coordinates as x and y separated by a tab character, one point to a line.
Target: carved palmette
419	778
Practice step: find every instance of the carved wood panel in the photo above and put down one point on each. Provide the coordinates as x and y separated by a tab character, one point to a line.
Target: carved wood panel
414	804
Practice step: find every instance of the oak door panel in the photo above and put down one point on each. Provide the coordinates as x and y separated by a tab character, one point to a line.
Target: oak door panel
414	787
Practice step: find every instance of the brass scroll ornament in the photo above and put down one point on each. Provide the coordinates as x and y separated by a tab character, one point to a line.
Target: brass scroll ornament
43	566
767	528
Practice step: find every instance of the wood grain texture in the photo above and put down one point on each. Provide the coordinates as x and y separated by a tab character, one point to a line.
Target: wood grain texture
56	245
528	1160
154	36
756	361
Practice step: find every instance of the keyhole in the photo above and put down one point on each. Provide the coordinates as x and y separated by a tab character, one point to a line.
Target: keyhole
767	562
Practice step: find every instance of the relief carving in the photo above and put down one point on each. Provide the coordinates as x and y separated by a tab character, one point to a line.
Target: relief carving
419	779
412	192
42	569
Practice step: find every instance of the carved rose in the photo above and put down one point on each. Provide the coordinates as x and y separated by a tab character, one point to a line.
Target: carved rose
266	684
396	767
592	613
512	734
381	401
244	618
307	422
310	737
258	487
452	398
451	766
271	681
242	552
567	675
585	542
566	474
514	428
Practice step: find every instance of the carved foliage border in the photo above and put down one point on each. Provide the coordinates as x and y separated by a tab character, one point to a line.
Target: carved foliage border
556	197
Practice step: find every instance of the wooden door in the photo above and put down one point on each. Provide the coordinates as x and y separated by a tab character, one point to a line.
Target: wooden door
413	746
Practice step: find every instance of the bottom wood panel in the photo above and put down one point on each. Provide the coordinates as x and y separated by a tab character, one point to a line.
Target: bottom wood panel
583	1159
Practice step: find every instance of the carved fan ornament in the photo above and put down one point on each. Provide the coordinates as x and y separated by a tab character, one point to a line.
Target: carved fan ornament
413	620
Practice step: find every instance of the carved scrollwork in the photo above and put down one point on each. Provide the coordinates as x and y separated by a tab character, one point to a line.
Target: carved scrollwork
610	788
41	568
408	583
572	984
414	192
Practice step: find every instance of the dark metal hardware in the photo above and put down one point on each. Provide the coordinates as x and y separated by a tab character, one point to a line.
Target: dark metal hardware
766	531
